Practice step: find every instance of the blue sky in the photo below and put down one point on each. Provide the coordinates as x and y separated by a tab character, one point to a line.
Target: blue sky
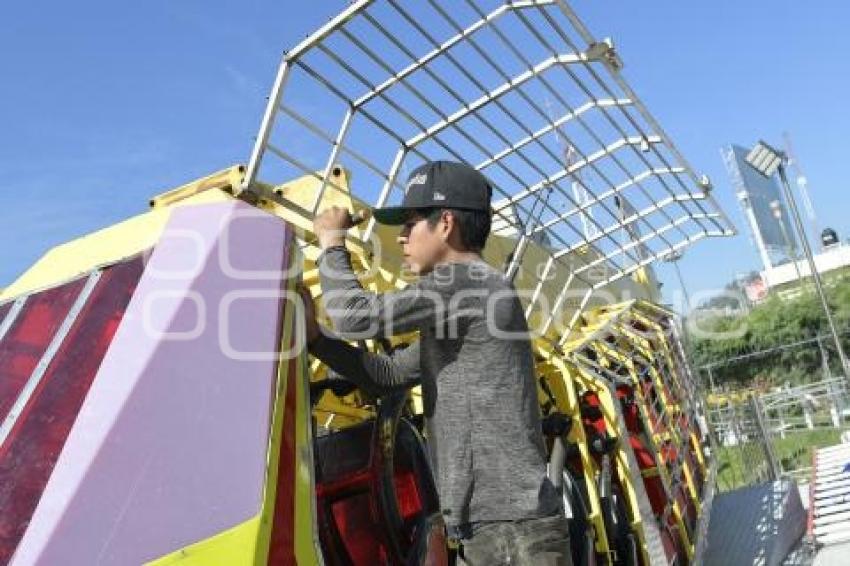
104	105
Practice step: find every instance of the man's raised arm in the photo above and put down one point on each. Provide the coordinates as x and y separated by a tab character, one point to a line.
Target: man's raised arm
357	313
376	374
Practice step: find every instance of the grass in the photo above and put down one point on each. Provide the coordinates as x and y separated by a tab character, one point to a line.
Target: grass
746	464
796	449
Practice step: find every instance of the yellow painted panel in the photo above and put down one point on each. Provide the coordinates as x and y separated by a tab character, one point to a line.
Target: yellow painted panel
233	547
103	247
306	530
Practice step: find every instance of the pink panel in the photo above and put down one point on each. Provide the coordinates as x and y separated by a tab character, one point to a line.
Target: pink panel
170	445
30	452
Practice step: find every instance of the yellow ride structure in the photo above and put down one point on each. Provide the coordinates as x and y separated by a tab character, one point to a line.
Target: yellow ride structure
591	191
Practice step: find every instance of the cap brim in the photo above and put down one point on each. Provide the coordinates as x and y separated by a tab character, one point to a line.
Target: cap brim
391	215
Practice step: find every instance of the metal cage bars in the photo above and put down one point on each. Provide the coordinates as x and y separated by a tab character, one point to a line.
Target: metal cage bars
635	252
390	180
535	71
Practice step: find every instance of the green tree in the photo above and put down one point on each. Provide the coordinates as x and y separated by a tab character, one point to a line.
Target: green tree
732	344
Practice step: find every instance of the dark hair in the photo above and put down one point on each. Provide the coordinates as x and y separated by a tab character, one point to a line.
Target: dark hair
474	225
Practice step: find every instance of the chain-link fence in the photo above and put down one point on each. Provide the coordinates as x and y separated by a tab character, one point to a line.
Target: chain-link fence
762	436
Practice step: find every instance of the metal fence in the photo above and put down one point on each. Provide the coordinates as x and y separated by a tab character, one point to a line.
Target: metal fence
762	436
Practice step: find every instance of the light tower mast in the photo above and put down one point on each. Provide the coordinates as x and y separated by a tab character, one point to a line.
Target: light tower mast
802	186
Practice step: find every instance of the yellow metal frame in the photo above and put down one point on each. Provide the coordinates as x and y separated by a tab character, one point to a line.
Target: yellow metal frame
560	377
629	349
122	240
292	202
657	439
675	410
591	382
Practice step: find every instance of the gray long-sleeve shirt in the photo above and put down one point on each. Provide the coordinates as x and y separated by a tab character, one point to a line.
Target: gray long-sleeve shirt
475	364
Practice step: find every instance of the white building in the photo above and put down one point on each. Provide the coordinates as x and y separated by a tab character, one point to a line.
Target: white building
830	259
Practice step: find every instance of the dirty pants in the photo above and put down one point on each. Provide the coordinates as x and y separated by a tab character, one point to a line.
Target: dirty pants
530	542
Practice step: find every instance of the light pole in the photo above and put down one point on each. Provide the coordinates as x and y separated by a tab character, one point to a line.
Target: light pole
776	209
673	257
767	161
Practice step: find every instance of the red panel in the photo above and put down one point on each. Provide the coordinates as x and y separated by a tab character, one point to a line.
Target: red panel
668	540
354	482
4	310
591	413
30	453
358	530
631	414
24	344
407	492
686	505
695	468
437	547
282	544
654	488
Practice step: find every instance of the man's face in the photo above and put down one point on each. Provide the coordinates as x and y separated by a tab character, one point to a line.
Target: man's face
423	246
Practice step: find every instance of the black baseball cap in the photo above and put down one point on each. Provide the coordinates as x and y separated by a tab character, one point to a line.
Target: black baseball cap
439	184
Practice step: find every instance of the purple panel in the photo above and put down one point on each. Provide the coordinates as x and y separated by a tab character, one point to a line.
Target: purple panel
29	454
170	445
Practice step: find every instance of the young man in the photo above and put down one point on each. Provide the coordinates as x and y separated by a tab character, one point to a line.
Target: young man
473	359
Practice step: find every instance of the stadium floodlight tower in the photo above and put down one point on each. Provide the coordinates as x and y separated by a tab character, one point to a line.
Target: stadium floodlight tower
768	161
776	210
673	258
